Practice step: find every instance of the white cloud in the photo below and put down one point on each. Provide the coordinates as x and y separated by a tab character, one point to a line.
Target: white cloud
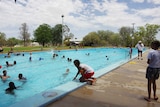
79	16
138	1
154	1
150	12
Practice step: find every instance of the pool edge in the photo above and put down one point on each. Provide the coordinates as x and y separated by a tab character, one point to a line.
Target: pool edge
39	100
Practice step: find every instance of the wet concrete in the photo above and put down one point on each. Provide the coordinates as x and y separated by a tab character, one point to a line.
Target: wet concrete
125	86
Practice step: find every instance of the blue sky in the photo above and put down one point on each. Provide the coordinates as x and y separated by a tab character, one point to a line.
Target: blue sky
82	16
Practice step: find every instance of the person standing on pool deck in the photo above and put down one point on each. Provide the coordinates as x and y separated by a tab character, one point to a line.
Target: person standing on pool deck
86	71
140	47
153	69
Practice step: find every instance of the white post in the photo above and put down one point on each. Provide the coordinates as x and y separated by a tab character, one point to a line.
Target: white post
62	28
133	34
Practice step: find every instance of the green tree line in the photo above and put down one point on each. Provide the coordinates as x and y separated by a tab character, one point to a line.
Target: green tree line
47	35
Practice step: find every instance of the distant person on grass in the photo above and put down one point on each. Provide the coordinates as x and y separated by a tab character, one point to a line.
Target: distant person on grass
153	69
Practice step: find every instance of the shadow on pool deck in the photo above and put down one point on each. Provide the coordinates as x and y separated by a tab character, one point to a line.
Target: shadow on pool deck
125	86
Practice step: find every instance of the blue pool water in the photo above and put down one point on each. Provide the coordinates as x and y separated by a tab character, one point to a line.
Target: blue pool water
50	72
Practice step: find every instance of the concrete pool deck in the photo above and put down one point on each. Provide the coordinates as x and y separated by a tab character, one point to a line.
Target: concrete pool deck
125	86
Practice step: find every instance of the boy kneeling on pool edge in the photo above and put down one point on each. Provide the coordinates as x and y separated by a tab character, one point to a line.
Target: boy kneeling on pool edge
86	71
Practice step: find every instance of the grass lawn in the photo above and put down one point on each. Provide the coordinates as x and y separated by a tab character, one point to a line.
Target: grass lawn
35	48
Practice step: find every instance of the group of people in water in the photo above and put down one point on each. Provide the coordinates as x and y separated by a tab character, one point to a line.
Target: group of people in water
9	64
86	72
4	77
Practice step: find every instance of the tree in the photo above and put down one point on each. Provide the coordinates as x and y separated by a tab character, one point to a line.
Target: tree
115	39
71	35
2	39
43	34
57	34
25	36
67	39
66	30
12	41
125	33
102	38
105	35
147	33
92	39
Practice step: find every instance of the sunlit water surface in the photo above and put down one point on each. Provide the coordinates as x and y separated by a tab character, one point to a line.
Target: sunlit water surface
50	72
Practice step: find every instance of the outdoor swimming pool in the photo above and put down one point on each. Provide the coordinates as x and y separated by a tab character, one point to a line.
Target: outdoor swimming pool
49	72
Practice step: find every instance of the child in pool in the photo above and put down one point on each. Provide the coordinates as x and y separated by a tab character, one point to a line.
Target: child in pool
86	72
11	88
66	73
4	77
20	77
